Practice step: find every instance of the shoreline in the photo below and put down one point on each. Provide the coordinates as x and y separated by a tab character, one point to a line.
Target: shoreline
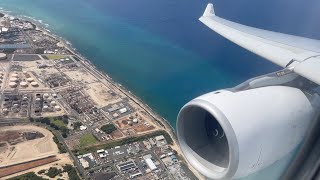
102	75
68	45
39	25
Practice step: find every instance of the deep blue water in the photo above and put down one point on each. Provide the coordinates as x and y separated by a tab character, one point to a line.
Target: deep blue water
160	51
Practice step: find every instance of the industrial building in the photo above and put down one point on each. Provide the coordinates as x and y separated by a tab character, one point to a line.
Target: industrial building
127	166
149	162
138	174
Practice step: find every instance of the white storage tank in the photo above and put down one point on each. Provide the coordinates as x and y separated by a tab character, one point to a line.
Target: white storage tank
53	103
13	84
24	84
30	79
34	84
45	95
13	79
135	120
45	108
57	108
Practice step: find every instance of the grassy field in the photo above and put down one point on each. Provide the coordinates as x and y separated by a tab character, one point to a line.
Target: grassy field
55	56
59	123
88	149
87	139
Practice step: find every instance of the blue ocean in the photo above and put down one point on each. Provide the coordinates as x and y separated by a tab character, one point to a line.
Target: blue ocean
161	52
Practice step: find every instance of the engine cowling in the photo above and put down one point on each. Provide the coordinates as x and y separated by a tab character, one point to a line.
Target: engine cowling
226	134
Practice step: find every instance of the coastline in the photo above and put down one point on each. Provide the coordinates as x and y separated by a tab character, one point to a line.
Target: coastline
68	45
102	75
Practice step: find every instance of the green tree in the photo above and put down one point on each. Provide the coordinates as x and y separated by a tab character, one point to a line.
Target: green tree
72	173
109	128
53	172
27	176
67	168
77	125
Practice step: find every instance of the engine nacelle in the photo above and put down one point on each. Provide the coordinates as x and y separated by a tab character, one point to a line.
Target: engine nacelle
226	134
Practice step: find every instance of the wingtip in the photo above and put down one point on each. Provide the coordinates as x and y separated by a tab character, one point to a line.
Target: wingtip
209	10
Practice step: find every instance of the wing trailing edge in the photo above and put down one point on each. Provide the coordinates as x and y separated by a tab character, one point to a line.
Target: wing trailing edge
301	55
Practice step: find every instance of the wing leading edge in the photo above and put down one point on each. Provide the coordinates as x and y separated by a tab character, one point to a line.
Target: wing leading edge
301	55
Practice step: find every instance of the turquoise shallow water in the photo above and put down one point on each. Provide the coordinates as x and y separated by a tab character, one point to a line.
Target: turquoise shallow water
161	52
163	73
158	49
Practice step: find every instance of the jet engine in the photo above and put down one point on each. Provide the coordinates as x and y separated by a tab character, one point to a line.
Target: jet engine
230	134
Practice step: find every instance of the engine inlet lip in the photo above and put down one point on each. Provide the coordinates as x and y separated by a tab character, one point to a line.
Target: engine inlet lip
228	172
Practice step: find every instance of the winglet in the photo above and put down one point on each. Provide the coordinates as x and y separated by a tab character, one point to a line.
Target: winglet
209	11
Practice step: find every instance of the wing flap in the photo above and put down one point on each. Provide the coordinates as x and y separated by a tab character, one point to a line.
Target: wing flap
309	69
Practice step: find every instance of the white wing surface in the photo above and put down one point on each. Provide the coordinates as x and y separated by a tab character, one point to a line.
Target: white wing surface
302	55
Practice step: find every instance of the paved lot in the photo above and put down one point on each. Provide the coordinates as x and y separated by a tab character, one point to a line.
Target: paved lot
26	57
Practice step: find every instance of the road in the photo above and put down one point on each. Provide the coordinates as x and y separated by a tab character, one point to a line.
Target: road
75	159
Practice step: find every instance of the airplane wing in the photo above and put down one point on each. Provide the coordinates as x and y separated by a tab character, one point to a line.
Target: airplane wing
301	55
